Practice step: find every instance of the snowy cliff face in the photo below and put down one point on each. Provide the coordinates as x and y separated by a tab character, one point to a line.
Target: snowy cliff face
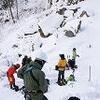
14	41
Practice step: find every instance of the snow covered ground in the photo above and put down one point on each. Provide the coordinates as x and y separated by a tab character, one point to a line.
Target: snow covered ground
86	41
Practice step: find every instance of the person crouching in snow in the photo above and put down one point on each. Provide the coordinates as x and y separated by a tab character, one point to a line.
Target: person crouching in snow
10	75
62	64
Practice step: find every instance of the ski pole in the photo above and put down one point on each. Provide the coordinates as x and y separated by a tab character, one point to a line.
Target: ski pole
89	73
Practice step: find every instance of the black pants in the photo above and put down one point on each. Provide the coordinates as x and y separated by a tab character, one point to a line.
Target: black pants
60	76
74	62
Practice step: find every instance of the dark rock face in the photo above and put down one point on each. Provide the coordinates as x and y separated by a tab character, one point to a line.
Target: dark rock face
69	33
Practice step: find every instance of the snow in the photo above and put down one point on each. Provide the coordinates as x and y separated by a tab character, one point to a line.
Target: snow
49	24
86	41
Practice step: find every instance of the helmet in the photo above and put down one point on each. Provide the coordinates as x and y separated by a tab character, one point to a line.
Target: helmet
17	66
62	55
74	49
25	56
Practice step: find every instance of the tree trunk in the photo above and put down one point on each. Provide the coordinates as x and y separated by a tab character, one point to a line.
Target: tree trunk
9	4
17	8
11	14
42	33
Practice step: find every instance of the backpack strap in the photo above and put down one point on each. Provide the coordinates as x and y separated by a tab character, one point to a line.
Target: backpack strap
29	70
34	77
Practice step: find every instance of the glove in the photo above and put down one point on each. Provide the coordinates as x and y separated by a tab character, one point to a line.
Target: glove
78	56
56	67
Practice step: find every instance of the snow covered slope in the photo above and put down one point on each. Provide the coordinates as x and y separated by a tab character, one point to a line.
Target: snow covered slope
86	41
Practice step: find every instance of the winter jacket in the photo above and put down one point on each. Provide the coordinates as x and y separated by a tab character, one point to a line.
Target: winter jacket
10	75
62	64
30	83
74	55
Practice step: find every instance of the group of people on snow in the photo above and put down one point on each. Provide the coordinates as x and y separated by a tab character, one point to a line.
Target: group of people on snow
35	83
65	64
34	78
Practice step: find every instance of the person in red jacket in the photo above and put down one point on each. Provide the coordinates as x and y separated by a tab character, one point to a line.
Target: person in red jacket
10	75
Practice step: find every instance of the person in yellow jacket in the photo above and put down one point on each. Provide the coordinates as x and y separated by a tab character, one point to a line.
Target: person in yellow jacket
62	64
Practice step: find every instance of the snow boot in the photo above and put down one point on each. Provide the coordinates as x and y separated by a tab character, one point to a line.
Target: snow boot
16	88
59	83
64	82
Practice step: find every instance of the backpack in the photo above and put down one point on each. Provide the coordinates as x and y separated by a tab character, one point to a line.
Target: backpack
31	74
71	63
71	78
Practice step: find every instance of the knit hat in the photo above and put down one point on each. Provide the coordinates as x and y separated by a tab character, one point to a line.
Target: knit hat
17	66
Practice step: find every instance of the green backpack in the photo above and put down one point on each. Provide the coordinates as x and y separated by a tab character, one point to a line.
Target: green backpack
71	78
